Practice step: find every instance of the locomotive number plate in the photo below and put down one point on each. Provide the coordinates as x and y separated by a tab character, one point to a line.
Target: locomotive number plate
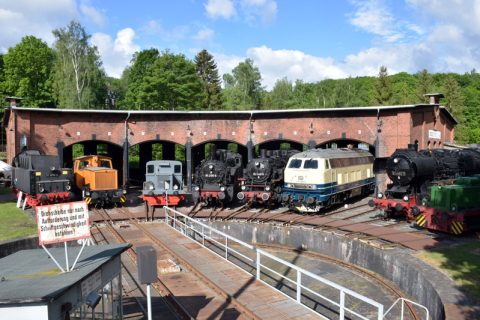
399	173
49	175
258	174
300	177
211	175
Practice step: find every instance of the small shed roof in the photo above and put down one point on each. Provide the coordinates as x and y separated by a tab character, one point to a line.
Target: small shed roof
31	276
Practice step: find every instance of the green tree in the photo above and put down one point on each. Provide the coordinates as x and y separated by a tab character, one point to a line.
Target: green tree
134	76
344	92
383	93
282	94
27	71
425	85
171	84
208	73
78	75
247	87
454	101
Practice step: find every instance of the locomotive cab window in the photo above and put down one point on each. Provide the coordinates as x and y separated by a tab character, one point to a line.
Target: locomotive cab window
295	164
237	161
177	168
310	164
82	165
150	168
326	165
105	164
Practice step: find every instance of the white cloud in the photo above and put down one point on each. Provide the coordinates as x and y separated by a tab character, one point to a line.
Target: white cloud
266	9
93	15
220	9
20	18
117	55
177	33
206	34
373	16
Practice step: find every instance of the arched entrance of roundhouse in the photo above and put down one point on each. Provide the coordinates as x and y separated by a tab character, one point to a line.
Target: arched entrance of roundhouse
345	143
95	147
143	152
279	144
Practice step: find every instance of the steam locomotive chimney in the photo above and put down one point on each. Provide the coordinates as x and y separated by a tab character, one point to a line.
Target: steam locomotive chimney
263	153
213	152
413	146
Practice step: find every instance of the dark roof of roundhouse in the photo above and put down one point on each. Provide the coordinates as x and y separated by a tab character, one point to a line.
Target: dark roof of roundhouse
246	112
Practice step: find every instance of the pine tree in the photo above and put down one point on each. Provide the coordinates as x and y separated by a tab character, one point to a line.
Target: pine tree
454	99
383	93
425	85
208	73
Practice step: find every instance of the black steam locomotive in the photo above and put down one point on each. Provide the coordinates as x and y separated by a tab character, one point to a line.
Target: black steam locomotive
216	178
263	177
414	172
41	179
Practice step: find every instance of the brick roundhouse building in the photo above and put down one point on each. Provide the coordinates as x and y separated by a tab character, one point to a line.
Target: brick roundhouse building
384	129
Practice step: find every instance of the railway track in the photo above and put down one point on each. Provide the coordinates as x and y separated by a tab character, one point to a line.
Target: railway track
183	312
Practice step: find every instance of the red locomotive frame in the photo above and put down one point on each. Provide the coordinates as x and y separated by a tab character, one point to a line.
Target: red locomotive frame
432	218
161	200
36	200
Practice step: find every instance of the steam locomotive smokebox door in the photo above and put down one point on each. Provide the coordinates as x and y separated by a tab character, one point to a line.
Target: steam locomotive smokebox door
147	264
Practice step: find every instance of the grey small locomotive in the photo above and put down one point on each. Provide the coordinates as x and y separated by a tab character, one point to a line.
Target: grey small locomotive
163	183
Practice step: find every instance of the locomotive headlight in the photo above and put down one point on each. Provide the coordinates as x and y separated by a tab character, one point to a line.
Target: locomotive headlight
312	187
257	164
52	168
149	185
454	208
244	187
395	160
210	167
87	193
68	188
291	185
124	191
197	188
175	187
41	189
267	189
380	195
222	189
405	198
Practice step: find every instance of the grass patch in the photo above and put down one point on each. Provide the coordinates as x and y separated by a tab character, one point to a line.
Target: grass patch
6	190
462	264
14	222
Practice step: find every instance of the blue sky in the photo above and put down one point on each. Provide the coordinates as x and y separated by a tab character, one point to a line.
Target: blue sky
309	40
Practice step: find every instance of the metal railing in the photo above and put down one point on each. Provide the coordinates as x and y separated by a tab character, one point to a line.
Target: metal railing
192	228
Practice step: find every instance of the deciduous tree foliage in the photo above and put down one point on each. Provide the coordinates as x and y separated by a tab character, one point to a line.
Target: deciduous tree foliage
134	75
208	73
243	89
171	84
27	72
383	93
78	74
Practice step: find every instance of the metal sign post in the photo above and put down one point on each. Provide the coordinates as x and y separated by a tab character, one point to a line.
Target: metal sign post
147	271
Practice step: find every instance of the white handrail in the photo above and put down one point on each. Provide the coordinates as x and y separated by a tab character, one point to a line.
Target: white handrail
299	271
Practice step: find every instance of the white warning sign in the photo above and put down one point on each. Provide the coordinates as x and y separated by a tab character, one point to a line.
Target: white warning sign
63	222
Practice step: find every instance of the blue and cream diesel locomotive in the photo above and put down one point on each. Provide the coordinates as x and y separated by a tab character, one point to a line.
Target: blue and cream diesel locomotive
320	178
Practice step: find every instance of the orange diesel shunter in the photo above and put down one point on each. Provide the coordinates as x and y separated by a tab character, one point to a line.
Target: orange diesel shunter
96	181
